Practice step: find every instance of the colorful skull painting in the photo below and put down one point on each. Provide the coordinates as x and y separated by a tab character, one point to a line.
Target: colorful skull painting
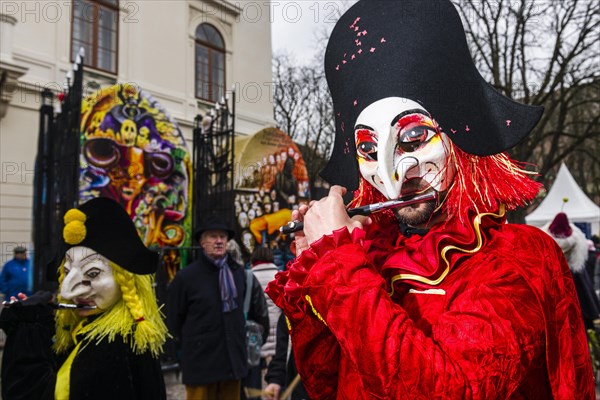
133	152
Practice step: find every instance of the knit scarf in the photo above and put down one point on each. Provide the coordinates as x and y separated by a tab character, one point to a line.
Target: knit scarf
226	285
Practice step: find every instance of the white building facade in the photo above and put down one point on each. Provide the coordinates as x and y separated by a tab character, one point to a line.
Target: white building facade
186	53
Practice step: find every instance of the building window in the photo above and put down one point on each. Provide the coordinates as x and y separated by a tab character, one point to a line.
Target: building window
96	29
210	63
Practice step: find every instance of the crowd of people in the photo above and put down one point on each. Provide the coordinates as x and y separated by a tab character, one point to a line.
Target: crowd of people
205	315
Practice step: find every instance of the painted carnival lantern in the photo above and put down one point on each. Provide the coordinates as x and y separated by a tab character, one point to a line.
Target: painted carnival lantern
134	153
271	180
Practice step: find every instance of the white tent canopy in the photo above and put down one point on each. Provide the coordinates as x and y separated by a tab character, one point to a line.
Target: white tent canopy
579	208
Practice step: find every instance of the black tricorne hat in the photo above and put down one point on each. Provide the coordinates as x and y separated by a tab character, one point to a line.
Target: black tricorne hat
212	223
104	226
415	49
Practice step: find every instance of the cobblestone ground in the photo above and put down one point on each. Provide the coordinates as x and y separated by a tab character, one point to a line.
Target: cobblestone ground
175	390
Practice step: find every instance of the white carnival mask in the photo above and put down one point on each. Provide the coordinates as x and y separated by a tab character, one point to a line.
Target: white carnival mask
400	148
89	280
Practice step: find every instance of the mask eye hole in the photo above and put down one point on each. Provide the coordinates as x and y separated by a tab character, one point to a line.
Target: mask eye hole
160	164
366	144
413	137
93	273
102	153
367	150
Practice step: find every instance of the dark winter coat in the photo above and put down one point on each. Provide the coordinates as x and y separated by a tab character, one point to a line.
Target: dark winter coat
100	370
15	278
282	368
213	343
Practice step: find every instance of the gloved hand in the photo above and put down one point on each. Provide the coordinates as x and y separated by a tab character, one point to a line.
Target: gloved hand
39	297
36	308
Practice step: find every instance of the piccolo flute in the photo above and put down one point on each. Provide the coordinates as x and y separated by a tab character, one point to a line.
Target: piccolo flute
295	226
58	306
66	306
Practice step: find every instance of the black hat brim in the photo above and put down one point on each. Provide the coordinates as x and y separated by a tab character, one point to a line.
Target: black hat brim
111	232
213	223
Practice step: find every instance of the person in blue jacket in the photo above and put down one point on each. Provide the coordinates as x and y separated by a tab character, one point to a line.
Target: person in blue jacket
15	274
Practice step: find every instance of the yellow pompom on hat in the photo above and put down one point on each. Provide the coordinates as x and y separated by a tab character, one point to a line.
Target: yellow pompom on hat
104	226
74	231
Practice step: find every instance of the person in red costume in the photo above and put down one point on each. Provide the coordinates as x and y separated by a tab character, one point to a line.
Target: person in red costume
440	299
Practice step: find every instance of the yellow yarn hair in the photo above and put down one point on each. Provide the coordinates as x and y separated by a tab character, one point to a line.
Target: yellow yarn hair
138	303
150	328
66	320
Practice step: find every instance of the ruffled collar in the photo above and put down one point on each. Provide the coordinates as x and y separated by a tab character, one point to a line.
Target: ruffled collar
425	261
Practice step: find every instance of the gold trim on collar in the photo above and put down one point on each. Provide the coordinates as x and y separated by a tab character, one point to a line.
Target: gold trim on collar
434	282
289	325
314	310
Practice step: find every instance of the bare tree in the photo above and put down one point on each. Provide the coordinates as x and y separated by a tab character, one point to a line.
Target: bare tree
304	110
290	98
545	53
303	105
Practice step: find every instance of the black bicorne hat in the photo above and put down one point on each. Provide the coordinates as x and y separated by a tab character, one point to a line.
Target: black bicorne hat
104	226
415	49
213	223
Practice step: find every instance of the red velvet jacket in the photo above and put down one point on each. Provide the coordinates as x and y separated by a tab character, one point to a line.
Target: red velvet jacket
469	311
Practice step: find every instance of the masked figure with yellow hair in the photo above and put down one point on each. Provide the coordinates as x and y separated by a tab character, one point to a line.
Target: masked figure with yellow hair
104	339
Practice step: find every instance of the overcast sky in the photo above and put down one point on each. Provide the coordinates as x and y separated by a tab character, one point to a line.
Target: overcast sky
298	23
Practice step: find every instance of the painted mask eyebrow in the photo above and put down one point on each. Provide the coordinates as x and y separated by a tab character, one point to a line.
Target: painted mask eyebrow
408	112
361	126
86	258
